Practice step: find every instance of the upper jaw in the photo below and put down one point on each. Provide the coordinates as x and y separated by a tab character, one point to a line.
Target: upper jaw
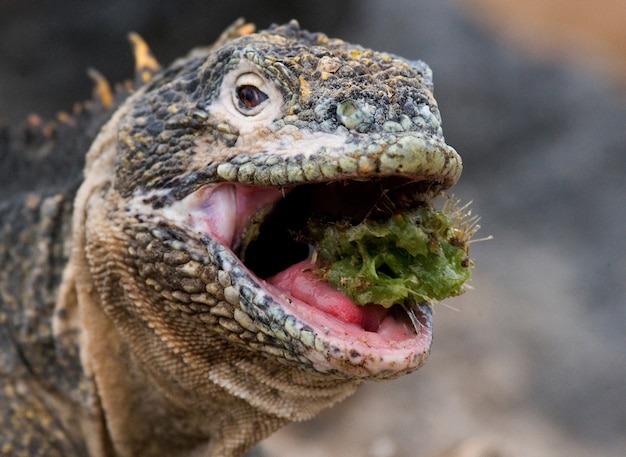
283	159
288	156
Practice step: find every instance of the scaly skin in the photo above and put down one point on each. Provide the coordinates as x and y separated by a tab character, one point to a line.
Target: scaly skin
166	335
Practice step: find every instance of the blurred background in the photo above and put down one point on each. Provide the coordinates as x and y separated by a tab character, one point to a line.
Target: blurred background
532	362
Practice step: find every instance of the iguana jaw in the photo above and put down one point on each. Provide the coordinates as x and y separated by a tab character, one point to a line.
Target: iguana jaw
222	203
329	331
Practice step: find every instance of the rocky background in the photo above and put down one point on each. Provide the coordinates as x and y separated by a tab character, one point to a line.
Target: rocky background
533	361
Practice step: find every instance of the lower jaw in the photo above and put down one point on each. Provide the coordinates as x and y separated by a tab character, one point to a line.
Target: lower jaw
387	346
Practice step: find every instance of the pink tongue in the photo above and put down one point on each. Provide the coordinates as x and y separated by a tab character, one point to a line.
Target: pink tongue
302	283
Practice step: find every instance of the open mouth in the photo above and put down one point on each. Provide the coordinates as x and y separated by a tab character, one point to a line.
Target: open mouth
250	219
281	255
259	228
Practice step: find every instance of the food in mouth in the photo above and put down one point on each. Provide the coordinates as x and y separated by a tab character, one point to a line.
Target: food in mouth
416	256
383	246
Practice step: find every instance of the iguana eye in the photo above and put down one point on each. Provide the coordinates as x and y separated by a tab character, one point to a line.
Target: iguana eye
250	97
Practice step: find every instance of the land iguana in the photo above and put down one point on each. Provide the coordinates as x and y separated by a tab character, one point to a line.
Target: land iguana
139	314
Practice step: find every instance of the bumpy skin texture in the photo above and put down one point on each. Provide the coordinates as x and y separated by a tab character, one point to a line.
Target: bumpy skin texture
129	324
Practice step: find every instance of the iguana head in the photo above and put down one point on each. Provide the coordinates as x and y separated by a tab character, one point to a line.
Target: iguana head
208	170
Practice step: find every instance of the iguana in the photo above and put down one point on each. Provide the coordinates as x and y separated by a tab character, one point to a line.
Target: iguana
138	315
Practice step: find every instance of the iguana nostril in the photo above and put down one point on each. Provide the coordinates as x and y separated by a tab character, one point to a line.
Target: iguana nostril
349	113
